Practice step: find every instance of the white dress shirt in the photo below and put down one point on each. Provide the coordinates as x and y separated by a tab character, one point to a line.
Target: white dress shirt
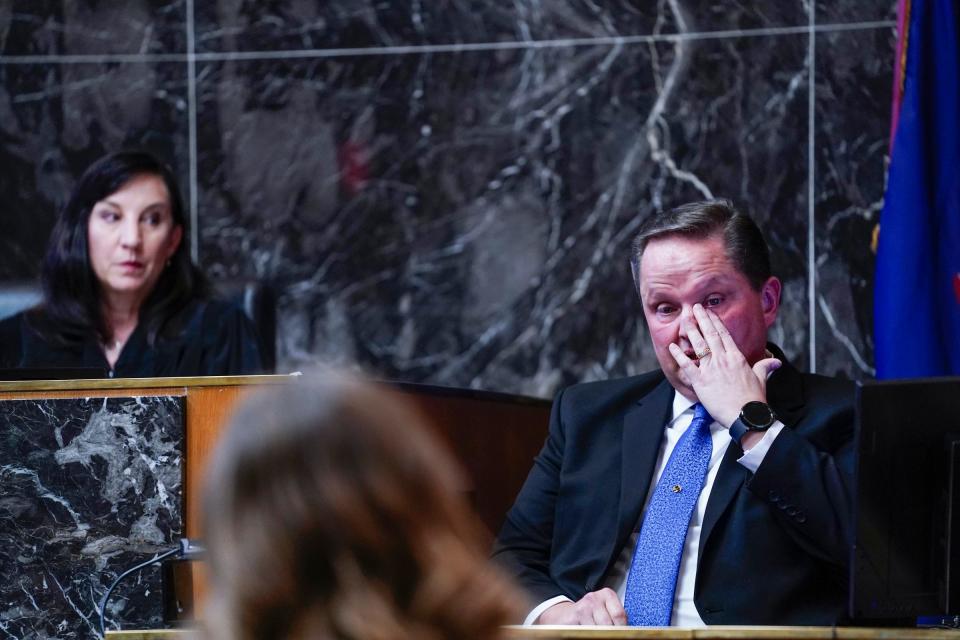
685	613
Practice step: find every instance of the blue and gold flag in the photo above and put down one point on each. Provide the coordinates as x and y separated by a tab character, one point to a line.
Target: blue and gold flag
917	295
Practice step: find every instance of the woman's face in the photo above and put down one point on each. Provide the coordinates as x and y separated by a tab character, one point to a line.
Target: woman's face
131	235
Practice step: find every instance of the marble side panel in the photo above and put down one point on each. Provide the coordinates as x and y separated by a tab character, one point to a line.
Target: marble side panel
88	488
53	27
465	218
238	25
56	119
852	143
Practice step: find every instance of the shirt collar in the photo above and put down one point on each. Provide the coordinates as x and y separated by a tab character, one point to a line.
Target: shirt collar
680	406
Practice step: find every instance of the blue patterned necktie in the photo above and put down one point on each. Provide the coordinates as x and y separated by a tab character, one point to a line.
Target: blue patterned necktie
648	599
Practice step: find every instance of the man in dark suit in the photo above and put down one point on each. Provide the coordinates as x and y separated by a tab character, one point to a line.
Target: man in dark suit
768	536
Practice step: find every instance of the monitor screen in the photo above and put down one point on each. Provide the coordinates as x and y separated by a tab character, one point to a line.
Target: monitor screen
903	564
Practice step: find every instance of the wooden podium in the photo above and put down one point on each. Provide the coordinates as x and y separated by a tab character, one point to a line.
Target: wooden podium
495	436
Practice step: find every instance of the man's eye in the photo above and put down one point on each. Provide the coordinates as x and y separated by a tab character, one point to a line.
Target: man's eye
665	309
712	301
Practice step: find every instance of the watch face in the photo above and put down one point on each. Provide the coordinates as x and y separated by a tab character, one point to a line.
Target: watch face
757	415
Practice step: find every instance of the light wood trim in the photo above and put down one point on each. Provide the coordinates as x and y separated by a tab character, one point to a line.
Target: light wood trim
69	394
662	633
726	633
208	409
154	634
101	384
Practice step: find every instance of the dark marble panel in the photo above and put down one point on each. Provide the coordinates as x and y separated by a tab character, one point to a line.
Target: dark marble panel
57	119
90	487
830	12
92	27
853	93
248	25
465	218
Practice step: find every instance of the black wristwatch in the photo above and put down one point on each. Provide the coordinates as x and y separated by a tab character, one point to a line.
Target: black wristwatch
754	416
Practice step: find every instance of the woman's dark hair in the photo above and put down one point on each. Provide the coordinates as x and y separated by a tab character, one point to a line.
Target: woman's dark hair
71	308
330	511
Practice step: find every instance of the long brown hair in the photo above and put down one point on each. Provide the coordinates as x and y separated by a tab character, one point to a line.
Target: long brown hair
332	513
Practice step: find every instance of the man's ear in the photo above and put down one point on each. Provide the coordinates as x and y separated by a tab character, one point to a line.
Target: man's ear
770	299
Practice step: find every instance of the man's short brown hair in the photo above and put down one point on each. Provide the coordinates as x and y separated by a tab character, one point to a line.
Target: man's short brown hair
745	245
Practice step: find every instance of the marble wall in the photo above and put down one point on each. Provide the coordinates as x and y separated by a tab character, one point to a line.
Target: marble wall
90	487
445	191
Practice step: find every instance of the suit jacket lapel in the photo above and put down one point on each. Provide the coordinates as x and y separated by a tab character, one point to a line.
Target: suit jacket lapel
785	396
730	476
642	432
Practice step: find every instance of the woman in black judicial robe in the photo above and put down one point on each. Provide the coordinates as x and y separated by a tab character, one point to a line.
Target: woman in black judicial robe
120	292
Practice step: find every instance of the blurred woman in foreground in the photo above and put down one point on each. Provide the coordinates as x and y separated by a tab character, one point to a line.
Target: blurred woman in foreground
332	513
120	292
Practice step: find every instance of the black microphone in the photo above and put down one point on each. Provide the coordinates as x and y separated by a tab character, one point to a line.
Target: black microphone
187	549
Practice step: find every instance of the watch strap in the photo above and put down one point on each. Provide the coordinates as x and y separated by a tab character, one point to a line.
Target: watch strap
738	429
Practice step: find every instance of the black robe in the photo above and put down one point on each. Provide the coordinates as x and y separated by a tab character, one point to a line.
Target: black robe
206	338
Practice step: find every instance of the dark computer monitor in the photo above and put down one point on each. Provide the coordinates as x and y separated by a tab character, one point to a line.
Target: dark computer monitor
907	497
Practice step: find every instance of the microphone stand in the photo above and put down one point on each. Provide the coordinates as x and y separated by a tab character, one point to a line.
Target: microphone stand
186	549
